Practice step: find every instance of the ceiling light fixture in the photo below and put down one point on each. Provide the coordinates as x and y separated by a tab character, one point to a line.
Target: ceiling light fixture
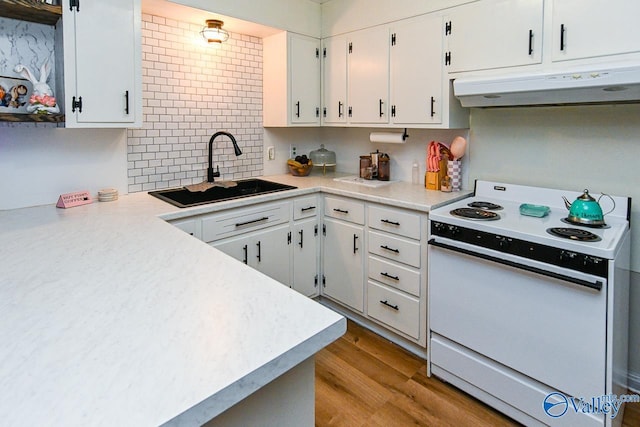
213	32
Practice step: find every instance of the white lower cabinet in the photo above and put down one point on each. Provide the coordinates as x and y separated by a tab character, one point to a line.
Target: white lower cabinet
306	245
394	308
366	257
265	250
344	263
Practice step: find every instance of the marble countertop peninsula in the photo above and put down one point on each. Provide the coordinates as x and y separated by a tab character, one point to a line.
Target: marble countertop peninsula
111	316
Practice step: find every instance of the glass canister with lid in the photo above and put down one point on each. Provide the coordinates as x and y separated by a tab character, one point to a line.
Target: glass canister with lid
323	158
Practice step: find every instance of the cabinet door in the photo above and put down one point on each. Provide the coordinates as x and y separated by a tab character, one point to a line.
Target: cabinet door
368	81
102	64
416	71
592	28
334	52
236	247
494	34
304	65
305	257
267	251
344	263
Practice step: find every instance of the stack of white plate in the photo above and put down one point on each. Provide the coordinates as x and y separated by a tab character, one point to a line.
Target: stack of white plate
107	195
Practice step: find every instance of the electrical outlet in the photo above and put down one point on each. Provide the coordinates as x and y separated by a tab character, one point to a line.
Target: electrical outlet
293	151
271	153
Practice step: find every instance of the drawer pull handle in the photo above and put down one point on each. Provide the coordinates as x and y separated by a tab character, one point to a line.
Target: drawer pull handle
386	221
386	302
242	224
397	251
340	211
307	209
390	276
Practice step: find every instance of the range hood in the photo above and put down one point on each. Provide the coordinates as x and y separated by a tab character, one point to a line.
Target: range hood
580	86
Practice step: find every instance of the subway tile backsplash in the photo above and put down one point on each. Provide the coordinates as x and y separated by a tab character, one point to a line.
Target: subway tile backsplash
190	91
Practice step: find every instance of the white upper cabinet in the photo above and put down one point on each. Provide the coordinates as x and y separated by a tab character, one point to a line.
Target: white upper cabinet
102	64
594	28
291	80
334	87
494	34
416	71
368	76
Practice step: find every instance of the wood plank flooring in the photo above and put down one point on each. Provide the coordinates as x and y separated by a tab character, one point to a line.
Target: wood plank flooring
364	380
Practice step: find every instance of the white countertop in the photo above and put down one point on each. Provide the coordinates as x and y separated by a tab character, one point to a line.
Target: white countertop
111	316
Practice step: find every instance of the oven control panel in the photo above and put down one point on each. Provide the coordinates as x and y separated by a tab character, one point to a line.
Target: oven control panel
548	254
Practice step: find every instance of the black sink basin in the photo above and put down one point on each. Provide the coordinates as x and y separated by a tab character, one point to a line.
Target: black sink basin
184	198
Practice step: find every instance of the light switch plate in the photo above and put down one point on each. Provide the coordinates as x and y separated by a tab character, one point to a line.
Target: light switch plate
271	153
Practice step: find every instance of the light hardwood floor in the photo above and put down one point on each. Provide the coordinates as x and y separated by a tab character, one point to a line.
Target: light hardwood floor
364	380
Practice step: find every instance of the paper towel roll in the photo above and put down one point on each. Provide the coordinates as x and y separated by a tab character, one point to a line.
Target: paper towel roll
387	137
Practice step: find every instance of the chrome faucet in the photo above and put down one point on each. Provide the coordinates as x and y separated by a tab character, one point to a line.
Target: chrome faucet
210	173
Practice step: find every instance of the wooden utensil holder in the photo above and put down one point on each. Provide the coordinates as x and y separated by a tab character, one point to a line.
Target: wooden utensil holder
432	180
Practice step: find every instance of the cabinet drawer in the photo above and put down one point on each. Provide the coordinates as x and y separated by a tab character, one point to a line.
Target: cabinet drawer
394	221
395	275
242	220
305	207
348	210
395	248
393	308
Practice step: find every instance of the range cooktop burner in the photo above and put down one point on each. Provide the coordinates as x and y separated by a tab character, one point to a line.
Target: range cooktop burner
574	234
566	221
475	214
485	205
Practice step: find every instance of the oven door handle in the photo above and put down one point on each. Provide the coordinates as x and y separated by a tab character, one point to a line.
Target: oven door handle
597	285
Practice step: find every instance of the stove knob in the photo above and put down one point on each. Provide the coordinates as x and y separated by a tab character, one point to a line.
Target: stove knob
567	256
503	243
453	230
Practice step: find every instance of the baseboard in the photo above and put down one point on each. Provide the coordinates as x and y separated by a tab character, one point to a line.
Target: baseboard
634	382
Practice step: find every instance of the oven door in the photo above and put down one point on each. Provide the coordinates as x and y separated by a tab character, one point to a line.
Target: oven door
543	321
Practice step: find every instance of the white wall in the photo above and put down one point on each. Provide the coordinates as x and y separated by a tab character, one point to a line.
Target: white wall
350	143
37	164
594	147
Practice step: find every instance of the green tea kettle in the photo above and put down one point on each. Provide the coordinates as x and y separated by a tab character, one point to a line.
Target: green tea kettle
586	210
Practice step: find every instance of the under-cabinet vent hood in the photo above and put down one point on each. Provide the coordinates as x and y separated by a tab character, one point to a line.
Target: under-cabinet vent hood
584	86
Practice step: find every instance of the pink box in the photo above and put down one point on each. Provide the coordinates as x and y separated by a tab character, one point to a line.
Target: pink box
70	200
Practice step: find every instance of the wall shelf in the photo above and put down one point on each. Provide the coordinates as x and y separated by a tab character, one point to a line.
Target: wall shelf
30	10
21	118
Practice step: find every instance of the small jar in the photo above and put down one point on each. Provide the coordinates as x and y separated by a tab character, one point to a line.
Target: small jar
365	163
384	167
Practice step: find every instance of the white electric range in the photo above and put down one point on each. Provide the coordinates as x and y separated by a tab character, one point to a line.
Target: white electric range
529	321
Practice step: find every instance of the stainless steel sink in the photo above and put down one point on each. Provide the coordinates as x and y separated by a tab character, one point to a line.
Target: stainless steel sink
184	198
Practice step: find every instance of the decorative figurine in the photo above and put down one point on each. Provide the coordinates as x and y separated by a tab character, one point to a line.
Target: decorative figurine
42	100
